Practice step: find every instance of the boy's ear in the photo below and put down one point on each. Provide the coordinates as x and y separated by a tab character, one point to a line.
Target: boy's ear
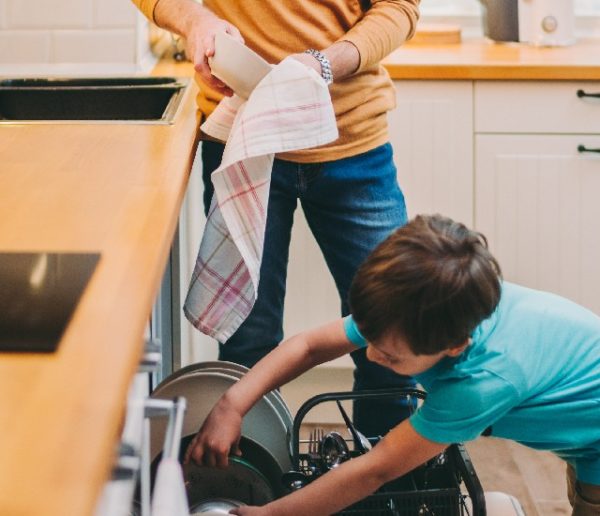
454	352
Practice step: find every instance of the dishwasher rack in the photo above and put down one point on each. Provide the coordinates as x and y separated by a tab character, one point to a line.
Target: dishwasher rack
446	485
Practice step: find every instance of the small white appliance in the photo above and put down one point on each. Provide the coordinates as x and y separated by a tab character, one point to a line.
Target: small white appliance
548	23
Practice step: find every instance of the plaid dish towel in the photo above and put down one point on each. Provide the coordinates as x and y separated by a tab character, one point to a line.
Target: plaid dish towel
289	109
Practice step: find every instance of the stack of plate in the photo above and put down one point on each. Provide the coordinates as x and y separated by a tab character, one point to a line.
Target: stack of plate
265	435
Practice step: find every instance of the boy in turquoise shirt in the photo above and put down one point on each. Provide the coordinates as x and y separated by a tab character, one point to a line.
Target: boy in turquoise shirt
493	357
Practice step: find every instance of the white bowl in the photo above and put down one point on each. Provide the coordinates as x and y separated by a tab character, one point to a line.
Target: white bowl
237	65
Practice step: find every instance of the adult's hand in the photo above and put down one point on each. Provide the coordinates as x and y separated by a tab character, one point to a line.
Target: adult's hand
198	25
218	437
200	45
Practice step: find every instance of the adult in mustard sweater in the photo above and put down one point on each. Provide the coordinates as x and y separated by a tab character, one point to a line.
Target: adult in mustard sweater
347	189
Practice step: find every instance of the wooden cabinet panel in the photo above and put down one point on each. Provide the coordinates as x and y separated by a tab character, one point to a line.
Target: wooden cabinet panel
431	131
536	107
537	202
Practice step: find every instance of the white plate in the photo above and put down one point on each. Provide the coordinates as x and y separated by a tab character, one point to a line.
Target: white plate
237	65
202	389
238	371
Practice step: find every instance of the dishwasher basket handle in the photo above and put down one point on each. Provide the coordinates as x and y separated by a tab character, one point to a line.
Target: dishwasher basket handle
341	396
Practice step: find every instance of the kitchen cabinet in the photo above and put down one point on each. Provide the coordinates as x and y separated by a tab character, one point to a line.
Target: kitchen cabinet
500	156
112	189
431	131
537	203
536	194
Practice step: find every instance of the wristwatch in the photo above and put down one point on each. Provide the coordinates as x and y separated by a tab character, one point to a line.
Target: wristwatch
326	72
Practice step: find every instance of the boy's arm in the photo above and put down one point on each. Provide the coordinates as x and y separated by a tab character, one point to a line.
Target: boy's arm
400	451
220	432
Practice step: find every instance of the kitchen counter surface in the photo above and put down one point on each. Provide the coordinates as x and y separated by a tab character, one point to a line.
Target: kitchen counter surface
117	189
111	188
480	59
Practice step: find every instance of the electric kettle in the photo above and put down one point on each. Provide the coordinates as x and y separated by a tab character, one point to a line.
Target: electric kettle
547	23
537	22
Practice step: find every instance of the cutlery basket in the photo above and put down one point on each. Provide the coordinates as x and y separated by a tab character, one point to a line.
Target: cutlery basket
447	485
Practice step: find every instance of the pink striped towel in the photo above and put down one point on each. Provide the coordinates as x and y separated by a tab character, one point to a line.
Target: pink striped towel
289	109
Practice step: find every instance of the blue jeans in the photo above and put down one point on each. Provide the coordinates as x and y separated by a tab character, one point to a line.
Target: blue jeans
350	205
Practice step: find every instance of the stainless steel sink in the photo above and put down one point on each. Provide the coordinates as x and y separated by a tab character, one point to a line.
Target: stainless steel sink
140	100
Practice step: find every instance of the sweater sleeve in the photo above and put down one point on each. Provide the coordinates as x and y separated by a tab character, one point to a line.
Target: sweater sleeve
147	7
383	28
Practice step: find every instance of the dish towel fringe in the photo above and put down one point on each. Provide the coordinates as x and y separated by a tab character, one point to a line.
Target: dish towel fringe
290	109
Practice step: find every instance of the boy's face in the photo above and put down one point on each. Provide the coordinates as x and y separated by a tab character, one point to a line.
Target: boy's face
394	353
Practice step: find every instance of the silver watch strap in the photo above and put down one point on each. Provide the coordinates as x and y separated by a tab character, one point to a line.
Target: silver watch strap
326	72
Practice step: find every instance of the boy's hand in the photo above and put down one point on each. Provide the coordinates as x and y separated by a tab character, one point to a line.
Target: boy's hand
218	437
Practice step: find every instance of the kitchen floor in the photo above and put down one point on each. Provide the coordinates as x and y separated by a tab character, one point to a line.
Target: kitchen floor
536	479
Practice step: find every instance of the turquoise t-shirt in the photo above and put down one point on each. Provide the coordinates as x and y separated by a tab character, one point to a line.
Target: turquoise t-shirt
531	373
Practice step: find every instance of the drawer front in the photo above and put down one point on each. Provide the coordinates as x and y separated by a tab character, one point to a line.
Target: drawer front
537	107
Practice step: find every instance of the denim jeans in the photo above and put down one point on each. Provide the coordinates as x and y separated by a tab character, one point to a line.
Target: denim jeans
350	205
584	498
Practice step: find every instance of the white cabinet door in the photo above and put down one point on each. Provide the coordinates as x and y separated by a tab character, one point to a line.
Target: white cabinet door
537	202
431	131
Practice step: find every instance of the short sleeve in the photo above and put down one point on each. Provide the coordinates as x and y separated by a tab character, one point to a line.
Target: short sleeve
353	333
459	409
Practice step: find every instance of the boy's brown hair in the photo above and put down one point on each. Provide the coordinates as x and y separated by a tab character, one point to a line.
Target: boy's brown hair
431	282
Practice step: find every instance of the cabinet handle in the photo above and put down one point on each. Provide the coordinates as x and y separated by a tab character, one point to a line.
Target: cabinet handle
583	148
581	94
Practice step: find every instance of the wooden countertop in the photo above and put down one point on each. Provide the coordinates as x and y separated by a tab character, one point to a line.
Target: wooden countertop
116	189
479	59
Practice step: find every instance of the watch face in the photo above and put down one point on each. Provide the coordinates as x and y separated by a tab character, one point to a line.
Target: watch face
38	295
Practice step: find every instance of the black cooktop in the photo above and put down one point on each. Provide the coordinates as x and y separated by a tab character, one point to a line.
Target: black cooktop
38	294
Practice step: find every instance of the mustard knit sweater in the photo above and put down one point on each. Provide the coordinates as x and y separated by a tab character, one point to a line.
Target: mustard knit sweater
275	29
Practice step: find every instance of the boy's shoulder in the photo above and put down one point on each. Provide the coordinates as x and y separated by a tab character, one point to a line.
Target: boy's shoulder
524	312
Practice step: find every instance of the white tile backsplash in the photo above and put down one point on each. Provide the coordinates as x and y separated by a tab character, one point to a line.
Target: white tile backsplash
46	36
100	46
73	36
2	14
114	13
44	14
22	46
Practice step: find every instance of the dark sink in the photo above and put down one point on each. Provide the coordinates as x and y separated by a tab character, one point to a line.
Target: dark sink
114	99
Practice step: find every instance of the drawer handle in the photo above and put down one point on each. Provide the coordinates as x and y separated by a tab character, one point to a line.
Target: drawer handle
583	148
581	94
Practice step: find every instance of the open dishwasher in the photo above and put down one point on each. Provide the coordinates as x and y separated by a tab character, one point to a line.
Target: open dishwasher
275	461
446	485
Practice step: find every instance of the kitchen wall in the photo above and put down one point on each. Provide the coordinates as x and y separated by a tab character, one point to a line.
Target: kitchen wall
72	37
467	13
64	37
462	7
